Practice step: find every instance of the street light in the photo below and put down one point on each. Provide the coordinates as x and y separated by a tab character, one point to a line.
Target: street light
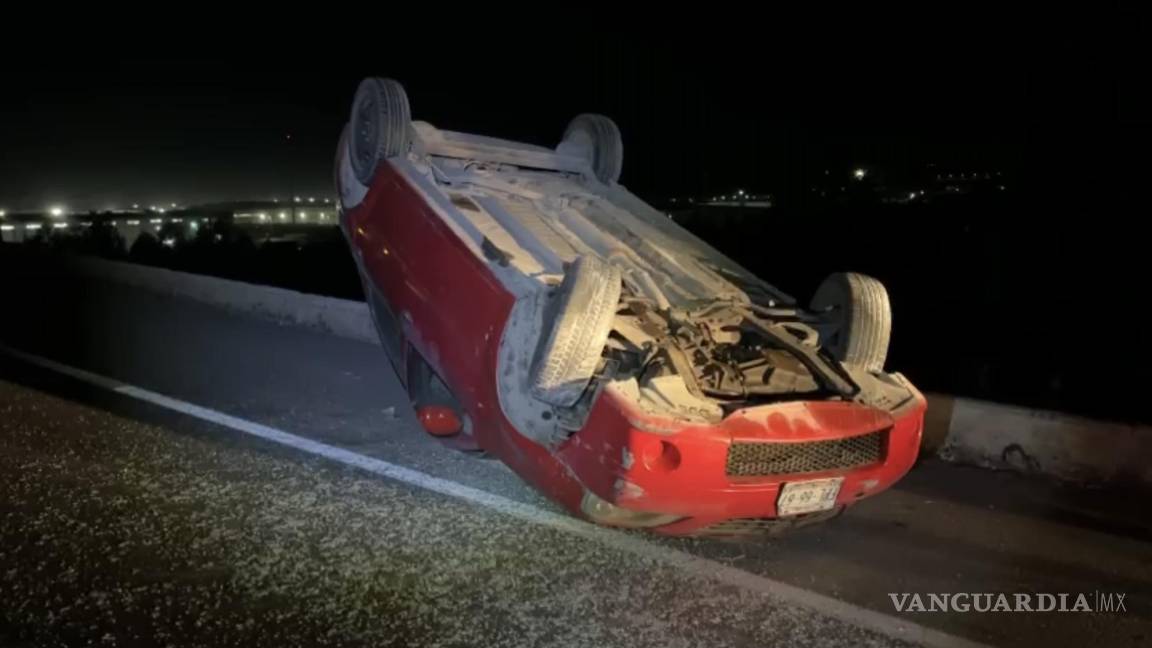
859	173
56	212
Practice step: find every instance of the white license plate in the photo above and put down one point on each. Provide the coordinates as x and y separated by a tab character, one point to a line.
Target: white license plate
808	496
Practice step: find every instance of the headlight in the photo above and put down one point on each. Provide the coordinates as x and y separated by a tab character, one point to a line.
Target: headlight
605	512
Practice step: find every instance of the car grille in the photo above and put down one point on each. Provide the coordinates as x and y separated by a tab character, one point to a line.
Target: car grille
736	527
758	459
746	527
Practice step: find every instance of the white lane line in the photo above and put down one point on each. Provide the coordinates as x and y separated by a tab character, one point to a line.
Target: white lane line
887	625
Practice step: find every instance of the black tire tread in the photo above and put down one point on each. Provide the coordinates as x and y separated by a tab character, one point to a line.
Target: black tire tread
568	356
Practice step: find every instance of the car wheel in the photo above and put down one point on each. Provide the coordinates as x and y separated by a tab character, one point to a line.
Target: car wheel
379	126
859	308
580	315
596	139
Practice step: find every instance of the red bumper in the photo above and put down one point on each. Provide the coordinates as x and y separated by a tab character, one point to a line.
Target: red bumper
645	463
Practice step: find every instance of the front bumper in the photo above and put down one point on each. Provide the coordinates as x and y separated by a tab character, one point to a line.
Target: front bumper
644	463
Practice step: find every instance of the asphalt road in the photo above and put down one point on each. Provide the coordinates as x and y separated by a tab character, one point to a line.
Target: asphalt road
123	523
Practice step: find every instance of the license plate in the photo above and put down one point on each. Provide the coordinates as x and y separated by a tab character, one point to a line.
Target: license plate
808	496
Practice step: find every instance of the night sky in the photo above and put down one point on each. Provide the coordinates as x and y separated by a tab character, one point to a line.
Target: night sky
1000	297
700	113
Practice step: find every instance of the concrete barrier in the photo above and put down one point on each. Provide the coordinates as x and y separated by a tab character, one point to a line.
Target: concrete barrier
1031	441
341	317
961	430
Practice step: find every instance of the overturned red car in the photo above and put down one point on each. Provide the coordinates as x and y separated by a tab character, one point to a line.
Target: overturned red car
537	311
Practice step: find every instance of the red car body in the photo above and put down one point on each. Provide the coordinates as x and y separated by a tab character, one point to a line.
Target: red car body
451	310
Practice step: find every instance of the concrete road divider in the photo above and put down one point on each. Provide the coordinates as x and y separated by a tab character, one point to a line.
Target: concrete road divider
1070	448
961	430
341	317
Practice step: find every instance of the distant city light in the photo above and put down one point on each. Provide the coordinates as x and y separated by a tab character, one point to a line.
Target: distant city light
113	223
323	216
194	225
3	213
135	206
303	215
275	200
311	200
911	195
297	199
262	216
56	212
173	205
327	200
32	226
132	222
283	215
170	241
177	220
156	221
160	209
59	225
740	191
859	173
7	228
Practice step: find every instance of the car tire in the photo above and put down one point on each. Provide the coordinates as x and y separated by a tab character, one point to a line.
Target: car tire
380	125
862	313
595	138
580	314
